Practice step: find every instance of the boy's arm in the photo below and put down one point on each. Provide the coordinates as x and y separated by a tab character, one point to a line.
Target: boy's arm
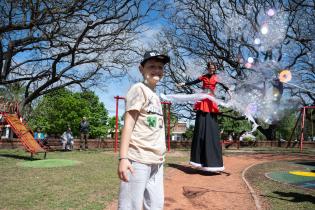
124	164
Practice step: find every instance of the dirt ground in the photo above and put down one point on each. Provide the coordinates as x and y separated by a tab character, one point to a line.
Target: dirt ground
187	188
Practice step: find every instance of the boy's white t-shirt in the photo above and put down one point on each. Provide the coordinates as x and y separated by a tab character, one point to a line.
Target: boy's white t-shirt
147	143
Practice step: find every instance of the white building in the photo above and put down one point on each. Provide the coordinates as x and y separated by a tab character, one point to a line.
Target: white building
178	131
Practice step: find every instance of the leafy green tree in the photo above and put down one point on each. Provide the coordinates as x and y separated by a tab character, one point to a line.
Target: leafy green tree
62	108
233	123
12	92
189	132
286	125
111	125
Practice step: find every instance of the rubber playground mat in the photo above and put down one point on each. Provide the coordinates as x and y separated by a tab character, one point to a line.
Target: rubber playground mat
49	163
302	178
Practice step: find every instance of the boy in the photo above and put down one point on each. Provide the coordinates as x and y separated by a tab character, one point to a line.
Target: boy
143	140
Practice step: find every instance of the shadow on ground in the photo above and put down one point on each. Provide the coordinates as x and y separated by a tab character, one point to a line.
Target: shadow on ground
190	170
294	197
19	157
310	164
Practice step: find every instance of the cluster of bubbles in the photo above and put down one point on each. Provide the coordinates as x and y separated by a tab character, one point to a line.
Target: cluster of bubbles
260	101
259	93
257	96
272	30
236	26
269	31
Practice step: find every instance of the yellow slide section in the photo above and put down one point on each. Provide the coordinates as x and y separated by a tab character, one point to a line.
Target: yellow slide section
23	134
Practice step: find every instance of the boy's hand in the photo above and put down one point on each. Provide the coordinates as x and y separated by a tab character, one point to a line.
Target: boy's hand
123	167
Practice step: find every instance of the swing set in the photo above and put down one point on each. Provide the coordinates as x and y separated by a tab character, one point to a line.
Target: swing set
117	98
304	126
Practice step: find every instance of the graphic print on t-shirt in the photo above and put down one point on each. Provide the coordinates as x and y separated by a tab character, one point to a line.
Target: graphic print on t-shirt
154	107
151	120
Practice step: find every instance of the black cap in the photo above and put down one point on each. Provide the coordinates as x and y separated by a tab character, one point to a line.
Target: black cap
154	54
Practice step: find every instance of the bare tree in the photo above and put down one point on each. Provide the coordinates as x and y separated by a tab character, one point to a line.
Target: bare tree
46	45
230	31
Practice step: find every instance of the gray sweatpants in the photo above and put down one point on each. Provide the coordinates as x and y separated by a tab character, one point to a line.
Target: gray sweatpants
145	188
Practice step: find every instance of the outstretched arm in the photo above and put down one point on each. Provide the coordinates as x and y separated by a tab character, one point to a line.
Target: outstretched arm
225	88
188	83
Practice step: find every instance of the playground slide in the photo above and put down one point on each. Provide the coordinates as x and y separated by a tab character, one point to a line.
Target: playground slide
23	134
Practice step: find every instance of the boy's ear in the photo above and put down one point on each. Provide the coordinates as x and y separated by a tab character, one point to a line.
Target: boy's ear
141	68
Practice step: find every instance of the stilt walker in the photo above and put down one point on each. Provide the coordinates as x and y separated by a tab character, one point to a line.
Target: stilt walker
206	151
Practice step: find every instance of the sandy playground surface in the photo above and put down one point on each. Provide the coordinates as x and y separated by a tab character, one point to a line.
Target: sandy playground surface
187	188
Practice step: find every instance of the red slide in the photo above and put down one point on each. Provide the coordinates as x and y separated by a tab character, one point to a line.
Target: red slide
24	134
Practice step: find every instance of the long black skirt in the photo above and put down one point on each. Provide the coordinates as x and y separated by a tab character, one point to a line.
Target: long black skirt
206	150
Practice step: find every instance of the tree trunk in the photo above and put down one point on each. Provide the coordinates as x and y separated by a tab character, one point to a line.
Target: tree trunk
269	132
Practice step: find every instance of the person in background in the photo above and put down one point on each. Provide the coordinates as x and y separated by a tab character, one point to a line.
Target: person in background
42	137
37	134
84	132
67	140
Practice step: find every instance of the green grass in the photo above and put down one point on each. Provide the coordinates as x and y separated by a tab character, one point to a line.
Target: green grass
88	185
91	184
277	195
49	163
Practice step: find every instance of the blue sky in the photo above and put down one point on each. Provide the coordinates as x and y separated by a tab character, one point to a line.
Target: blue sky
120	86
115	87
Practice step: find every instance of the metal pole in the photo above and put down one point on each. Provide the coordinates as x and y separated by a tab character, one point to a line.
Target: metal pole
168	124
116	128
169	128
302	130
296	123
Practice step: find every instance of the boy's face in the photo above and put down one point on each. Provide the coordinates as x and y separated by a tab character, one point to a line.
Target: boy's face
152	71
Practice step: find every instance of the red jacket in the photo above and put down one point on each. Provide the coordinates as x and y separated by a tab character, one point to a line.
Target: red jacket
208	84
